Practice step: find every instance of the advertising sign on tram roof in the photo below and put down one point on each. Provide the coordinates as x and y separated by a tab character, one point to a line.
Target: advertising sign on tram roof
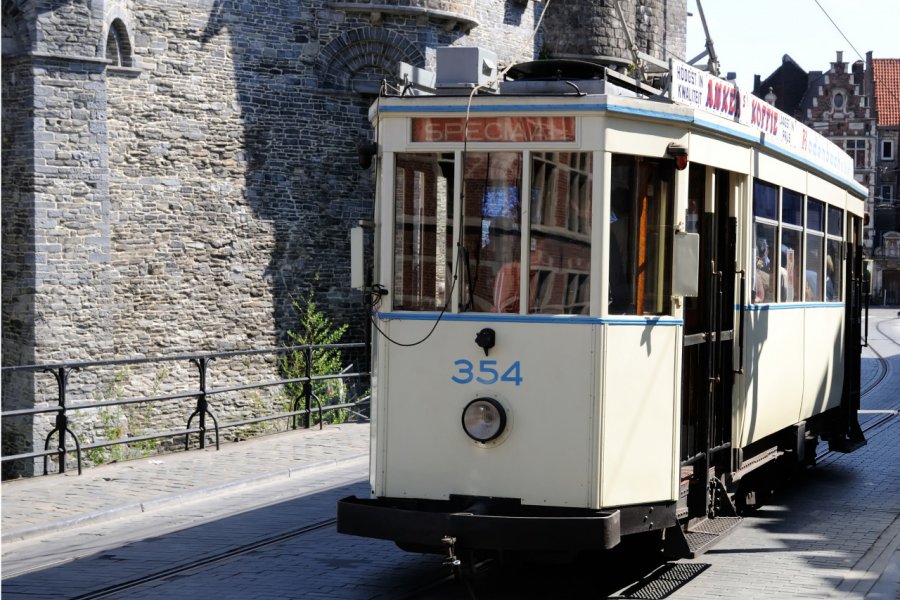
705	92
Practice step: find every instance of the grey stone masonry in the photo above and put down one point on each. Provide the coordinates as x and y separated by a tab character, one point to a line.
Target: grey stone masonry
177	174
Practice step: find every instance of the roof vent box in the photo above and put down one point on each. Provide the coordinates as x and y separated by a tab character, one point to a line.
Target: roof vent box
463	68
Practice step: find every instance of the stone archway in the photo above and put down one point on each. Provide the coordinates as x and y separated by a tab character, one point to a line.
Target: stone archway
359	59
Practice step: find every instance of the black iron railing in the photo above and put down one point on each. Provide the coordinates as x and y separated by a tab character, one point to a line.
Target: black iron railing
305	403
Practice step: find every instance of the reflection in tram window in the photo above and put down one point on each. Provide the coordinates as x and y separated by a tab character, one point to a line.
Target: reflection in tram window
560	255
640	244
815	250
834	267
423	232
789	267
765	216
791	246
491	258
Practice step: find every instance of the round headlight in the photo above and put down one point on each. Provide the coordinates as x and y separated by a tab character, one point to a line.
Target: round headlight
483	419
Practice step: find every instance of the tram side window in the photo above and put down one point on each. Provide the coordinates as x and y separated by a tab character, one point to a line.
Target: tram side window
765	218
423	231
834	264
641	232
815	250
492	232
791	246
560	255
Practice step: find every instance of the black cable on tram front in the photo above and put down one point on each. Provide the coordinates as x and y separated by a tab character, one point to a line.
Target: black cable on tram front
378	290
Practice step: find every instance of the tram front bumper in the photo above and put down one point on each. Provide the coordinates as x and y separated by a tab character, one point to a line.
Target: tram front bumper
478	524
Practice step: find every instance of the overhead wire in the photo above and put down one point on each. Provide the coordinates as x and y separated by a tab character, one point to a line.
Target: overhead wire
819	4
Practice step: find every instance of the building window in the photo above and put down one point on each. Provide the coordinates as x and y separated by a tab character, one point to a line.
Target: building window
887	150
891	245
118	46
887	193
857	149
838	101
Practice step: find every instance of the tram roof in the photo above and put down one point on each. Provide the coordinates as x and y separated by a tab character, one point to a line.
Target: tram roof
692	99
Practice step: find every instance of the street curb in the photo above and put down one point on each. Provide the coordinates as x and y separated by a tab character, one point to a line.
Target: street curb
136	508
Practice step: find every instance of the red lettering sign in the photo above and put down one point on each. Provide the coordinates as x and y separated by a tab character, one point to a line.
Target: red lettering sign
494	129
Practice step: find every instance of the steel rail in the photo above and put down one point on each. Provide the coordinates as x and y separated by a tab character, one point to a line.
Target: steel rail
207	561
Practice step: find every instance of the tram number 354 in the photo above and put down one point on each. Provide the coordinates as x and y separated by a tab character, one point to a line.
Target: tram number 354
486	372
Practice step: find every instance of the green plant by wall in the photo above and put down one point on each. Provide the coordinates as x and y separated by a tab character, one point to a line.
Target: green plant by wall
117	422
314	328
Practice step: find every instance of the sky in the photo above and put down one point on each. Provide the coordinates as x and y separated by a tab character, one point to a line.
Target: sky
752	37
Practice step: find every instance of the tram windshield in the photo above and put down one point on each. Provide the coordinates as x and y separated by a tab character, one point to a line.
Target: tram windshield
423	232
546	257
492	232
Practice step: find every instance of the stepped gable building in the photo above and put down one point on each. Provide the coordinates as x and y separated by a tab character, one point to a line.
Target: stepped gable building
175	175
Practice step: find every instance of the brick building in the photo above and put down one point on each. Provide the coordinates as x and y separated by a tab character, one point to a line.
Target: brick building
886	221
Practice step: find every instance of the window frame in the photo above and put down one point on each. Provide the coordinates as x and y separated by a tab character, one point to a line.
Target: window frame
819	236
853	146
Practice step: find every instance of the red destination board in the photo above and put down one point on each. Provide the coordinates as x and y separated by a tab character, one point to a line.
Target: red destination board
494	129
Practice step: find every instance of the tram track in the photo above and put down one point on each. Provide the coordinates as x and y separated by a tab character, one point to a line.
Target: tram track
205	562
886	414
464	584
463	578
892	410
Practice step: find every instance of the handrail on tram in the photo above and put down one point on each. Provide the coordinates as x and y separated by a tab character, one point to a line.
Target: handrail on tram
740	369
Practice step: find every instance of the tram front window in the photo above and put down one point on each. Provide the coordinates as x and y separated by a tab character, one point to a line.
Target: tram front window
640	244
423	233
492	232
560	257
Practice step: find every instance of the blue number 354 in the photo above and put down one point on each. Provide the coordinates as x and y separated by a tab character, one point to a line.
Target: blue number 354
487	372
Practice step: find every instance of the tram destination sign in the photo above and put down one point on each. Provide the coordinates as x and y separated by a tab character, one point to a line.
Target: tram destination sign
695	88
494	129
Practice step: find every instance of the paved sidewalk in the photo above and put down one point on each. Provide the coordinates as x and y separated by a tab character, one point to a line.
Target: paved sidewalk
36	506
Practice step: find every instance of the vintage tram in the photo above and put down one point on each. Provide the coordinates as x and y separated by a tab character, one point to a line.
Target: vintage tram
599	308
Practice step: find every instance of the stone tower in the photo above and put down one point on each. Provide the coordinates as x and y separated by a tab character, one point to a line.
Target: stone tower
175	175
593	29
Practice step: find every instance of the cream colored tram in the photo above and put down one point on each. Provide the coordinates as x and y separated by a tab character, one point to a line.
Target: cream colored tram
600	310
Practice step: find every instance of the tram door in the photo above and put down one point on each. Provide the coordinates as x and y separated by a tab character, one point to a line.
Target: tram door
707	372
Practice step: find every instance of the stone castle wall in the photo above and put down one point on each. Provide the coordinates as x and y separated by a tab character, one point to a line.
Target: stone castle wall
180	195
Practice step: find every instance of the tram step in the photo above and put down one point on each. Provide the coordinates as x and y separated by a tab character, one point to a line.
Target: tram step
699	537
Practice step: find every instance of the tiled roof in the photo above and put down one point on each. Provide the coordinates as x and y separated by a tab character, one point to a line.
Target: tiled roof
887	91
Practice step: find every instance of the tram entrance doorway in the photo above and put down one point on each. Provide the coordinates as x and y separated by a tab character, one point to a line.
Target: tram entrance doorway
707	371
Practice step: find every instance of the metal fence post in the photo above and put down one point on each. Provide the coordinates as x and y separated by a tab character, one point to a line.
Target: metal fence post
307	389
61	427
202	405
